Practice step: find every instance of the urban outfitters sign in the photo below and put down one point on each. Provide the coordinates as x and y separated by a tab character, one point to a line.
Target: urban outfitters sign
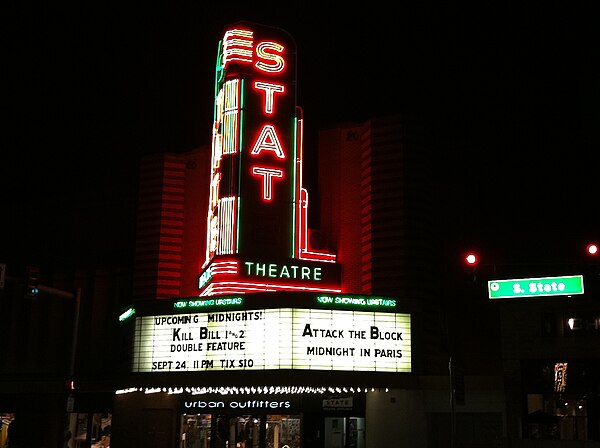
256	403
272	339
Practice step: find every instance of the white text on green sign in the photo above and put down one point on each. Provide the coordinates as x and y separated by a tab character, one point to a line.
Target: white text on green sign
534	287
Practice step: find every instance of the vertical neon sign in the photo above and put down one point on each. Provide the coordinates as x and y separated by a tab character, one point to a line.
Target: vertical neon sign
253	182
257	206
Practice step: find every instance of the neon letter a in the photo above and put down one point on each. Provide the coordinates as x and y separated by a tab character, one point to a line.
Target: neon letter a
268	141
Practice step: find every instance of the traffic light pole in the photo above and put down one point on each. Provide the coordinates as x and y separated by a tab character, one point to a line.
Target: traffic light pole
451	368
75	334
71	370
77	297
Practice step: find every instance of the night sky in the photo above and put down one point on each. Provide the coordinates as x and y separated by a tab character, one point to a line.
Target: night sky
91	89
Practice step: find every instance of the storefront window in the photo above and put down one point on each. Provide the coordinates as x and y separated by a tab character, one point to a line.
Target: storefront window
101	426
283	431
78	424
239	431
5	421
195	431
242	431
556	416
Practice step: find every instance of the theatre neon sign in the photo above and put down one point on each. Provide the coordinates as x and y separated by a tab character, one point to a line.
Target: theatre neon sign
257	206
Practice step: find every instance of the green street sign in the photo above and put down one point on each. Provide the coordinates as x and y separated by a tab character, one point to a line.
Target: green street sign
535	287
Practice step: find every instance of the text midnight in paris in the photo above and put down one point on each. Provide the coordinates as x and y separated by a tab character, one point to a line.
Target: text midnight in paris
374	334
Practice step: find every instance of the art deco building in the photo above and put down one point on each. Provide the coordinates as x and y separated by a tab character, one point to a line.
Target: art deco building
344	327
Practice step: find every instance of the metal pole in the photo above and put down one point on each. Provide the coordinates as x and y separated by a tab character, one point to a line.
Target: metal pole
77	297
75	334
71	369
452	404
71	372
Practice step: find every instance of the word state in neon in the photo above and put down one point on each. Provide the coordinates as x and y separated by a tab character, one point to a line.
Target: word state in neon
267	58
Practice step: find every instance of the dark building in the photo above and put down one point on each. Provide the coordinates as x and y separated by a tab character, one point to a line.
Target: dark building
356	163
58	355
360	331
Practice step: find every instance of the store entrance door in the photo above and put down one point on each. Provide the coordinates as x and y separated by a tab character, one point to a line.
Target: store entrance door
241	431
344	432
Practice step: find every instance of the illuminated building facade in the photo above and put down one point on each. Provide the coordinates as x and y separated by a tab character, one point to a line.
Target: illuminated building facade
257	211
267	332
251	329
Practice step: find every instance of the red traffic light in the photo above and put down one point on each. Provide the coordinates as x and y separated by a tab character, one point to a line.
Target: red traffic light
471	259
592	249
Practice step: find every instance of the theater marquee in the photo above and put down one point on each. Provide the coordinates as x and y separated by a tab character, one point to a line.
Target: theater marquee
271	339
